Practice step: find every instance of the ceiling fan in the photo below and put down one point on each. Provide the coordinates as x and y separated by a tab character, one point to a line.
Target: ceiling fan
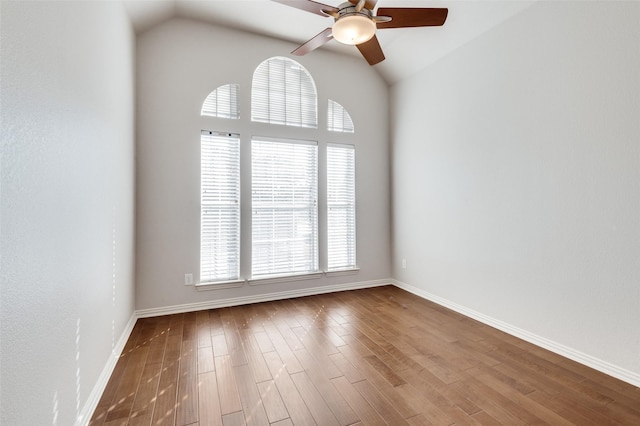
356	24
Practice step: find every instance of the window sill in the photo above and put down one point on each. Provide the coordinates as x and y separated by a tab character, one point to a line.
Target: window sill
341	272
285	278
274	279
219	285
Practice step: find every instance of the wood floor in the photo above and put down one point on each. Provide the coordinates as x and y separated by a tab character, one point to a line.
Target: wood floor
375	356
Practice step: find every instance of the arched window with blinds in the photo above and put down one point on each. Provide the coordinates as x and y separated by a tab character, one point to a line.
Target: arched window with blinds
283	92
338	119
284	229
222	102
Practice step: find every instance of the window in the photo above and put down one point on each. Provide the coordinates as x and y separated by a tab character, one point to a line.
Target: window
220	207
341	206
283	92
284	203
338	119
285	233
222	102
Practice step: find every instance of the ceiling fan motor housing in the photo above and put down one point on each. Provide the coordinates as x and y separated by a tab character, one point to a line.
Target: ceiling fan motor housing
347	9
353	26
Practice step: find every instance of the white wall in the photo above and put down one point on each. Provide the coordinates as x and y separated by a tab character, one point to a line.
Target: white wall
178	64
67	203
516	170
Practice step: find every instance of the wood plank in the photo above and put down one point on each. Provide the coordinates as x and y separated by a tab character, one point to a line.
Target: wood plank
145	399
264	342
236	348
402	396
189	330
499	407
148	330
219	343
298	411
111	390
313	400
227	387
350	371
494	383
215	322
283	350
209	412
419	420
285	422
164	412
252	407
158	341
446	406
272	401
379	403
206	361
254	357
234	419
384	370
187	402
362	408
128	385
202	329
317	361
320	376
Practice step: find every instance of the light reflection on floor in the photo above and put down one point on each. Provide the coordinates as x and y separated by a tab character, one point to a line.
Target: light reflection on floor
55	408
78	417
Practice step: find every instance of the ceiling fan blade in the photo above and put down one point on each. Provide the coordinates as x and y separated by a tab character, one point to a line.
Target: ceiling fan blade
314	43
371	51
369	4
309	6
405	17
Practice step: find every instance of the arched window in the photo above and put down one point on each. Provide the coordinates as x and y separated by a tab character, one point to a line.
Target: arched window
284	229
222	102
338	119
283	92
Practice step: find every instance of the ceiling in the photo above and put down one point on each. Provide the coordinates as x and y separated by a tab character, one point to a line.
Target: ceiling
407	51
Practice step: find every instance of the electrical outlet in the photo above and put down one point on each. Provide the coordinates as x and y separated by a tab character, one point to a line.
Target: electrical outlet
188	279
404	263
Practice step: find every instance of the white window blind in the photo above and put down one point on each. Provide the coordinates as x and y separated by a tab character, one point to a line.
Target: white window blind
222	102
283	92
284	203
341	205
220	207
338	119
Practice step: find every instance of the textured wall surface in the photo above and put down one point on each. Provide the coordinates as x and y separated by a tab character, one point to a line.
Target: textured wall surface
67	203
516	170
178	64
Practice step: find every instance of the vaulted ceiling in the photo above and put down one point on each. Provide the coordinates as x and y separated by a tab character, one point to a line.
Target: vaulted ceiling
407	50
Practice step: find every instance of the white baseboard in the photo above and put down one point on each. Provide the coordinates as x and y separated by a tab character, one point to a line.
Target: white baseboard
245	300
96	393
565	351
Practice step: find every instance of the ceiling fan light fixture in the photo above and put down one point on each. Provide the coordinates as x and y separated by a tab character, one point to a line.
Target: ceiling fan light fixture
354	29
